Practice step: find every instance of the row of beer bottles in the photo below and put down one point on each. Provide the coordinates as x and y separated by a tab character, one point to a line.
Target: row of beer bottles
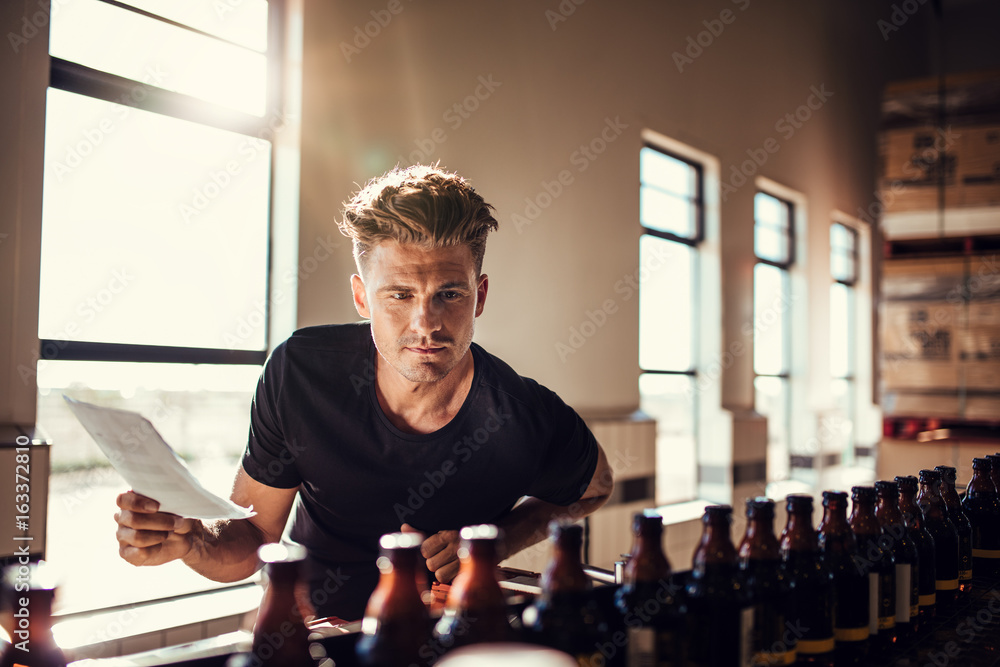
848	590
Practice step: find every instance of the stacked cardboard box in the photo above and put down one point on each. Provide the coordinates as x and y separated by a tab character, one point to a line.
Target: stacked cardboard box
928	158
940	325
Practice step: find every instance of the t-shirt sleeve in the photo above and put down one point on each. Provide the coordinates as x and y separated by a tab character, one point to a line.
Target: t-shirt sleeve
267	458
570	459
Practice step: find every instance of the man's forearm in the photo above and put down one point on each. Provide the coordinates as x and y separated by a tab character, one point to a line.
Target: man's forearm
225	550
527	524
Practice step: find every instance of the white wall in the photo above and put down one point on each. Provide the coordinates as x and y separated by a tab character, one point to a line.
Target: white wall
559	84
24	75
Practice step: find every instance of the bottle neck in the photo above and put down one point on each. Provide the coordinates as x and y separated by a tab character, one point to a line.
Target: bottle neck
279	602
480	554
760	543
887	511
863	519
929	501
40	612
799	537
981	484
950	495
565	571
396	594
908	508
835	534
647	563
715	551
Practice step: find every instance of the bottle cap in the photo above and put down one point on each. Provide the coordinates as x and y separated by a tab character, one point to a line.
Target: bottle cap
281	552
982	464
565	530
39	576
643	522
863	493
907	483
484	531
948	473
760	507
391	541
715	513
799	502
885	487
930	476
830	497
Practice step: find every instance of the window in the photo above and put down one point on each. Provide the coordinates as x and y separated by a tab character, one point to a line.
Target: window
774	244
671	209
154	289
844	271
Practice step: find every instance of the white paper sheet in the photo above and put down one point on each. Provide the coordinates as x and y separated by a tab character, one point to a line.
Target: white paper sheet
149	465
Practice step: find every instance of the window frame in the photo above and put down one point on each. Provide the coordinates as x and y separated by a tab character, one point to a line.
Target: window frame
786	267
693	242
849	456
698	201
854	256
792	240
76	78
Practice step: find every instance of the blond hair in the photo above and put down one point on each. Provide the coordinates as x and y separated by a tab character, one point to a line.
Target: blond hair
421	205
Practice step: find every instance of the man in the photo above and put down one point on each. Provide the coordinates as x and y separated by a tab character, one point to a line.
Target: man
397	423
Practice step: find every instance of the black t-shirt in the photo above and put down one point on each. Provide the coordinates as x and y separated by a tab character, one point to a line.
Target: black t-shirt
316	424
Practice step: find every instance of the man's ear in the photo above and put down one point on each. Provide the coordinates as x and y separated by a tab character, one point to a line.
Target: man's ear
481	289
360	297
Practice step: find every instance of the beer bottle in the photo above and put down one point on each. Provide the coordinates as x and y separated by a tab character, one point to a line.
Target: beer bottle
720	617
877	563
396	630
926	550
982	506
839	551
962	524
648	601
904	555
995	470
766	587
945	538
280	637
811	610
476	610
30	591
566	616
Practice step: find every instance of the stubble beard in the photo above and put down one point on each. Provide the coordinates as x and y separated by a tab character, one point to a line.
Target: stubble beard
428	371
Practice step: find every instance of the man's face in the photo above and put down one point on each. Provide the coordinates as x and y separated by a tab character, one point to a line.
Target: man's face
422	304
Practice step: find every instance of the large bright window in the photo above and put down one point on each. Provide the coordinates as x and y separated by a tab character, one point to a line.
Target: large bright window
671	204
154	286
774	244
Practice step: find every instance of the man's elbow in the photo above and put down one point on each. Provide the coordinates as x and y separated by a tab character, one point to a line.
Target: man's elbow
603	482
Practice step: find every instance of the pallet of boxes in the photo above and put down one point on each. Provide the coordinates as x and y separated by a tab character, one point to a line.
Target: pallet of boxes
939	300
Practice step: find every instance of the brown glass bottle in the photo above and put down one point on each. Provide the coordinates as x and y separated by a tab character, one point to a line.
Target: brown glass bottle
904	555
982	506
396	630
647	599
566	616
949	476
29	591
945	538
766	587
475	610
280	636
811	611
877	563
924	541
839	550
995	471
719	617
